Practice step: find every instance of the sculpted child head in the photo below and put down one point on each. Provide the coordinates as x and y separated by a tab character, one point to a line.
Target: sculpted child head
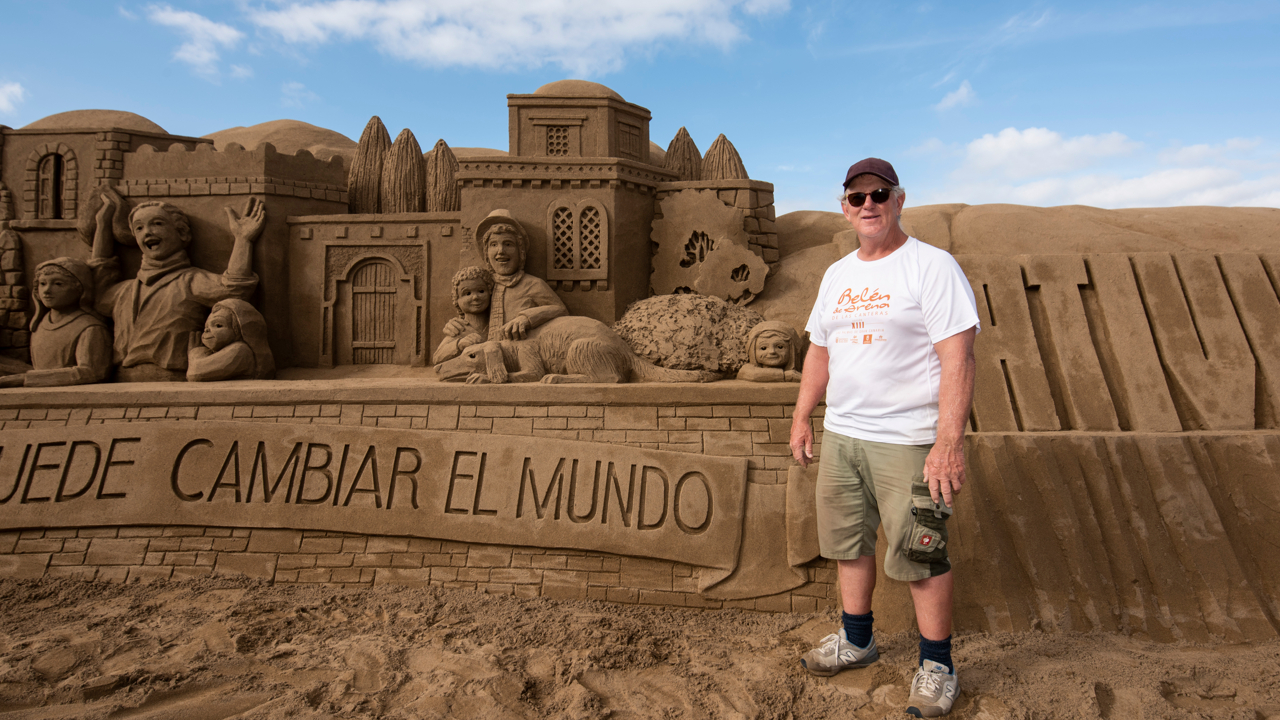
472	290
772	344
160	229
221	329
57	287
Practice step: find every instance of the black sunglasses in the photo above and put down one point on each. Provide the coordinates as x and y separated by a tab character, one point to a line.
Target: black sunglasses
879	197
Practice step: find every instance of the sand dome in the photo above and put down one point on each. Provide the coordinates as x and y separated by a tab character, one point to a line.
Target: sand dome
577	88
75	119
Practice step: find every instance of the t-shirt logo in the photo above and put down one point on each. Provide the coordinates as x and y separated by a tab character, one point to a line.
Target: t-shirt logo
866	339
867	299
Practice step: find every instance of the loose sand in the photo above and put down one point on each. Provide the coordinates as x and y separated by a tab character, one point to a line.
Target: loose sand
223	648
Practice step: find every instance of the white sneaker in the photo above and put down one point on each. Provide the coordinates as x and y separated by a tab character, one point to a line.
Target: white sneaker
836	654
933	690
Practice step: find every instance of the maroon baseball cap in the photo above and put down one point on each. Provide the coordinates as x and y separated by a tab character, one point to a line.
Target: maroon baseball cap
871	166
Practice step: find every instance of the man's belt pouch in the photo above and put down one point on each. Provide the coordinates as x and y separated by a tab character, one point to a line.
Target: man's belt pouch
928	530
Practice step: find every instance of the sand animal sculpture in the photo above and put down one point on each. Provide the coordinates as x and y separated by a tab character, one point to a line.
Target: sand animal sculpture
233	345
156	311
472	293
70	343
521	302
772	347
565	350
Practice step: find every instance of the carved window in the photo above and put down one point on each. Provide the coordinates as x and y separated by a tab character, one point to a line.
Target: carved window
557	140
628	141
578	235
373	313
49	188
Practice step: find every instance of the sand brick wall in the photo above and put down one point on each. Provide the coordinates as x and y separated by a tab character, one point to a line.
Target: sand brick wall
147	554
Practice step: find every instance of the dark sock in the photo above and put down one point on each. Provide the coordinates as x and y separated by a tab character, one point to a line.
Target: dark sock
857	628
938	651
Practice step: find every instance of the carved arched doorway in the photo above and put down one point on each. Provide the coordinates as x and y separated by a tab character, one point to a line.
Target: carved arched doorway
375	316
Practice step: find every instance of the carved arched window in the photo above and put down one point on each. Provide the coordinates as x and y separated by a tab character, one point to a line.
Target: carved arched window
49	188
50	183
578	235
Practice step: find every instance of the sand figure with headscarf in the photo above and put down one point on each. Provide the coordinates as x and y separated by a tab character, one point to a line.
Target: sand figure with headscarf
70	343
233	345
772	348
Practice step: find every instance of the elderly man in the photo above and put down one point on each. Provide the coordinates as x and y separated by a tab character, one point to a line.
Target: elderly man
892	336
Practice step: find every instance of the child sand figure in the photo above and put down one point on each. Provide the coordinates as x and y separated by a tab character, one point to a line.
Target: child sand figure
472	293
233	345
771	353
70	343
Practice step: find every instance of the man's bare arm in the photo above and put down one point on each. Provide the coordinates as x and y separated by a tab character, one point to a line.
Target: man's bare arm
944	468
813	386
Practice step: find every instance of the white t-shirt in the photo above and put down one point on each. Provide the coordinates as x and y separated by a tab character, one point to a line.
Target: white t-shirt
879	321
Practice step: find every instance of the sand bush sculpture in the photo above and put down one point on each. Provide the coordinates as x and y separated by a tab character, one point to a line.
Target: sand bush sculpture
683	157
722	161
441	173
689	332
364	184
404	182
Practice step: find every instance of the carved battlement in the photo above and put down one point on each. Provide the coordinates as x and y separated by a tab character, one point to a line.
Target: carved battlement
152	164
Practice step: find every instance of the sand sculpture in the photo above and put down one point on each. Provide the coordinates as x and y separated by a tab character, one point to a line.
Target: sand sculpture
233	345
472	294
520	301
1093	413
772	352
155	312
563	350
70	343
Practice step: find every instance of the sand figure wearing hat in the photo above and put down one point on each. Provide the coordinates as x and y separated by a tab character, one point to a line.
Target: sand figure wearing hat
156	311
472	294
233	345
70	343
521	301
771	353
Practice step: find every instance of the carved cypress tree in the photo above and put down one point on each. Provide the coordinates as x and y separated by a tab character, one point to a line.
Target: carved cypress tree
722	162
404	181
442	185
364	183
683	157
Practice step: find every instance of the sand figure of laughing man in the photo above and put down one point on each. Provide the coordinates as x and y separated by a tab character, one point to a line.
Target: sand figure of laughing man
156	311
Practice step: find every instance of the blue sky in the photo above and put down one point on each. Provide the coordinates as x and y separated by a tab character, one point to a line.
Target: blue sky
1097	103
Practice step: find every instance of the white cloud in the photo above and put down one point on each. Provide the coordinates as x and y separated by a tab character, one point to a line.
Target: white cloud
583	38
205	38
1034	152
10	95
961	96
295	94
241	71
1204	153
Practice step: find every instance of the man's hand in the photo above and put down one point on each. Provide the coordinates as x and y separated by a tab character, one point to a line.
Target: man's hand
802	441
249	225
517	329
944	471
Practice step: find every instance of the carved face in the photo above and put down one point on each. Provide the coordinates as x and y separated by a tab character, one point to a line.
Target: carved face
58	291
772	350
219	330
502	250
473	296
157	233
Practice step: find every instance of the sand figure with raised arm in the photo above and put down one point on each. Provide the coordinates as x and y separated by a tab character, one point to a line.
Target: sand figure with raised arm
521	302
233	345
472	294
70	343
155	312
771	353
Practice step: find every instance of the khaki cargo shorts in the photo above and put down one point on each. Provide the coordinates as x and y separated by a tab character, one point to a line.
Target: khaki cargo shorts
863	483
